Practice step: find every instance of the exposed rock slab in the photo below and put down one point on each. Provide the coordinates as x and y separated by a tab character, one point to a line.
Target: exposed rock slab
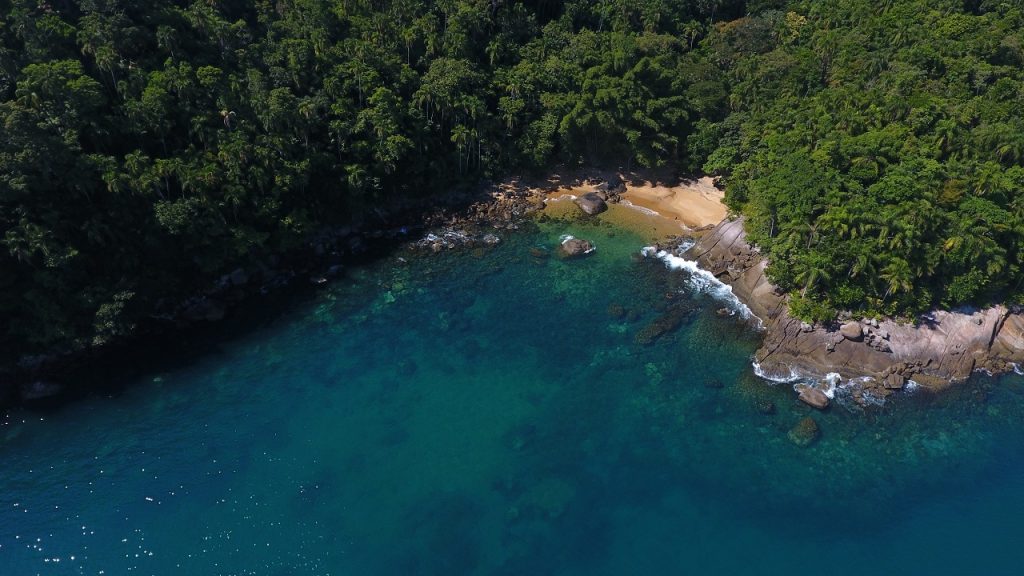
944	345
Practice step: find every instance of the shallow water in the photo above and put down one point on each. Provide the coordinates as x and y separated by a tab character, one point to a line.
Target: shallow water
493	413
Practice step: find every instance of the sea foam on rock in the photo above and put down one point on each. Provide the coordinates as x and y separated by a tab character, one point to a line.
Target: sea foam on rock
572	247
701	280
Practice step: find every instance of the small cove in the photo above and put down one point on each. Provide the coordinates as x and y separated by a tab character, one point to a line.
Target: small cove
492	412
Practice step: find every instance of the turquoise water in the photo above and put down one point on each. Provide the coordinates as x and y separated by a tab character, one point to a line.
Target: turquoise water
492	413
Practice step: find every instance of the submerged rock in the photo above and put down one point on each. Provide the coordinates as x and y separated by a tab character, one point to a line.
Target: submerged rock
805	432
591	203
668	322
713	384
538	253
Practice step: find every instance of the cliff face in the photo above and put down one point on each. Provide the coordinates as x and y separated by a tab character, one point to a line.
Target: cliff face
941	347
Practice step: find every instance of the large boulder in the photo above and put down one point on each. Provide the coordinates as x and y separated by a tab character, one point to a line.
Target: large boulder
575	247
852	331
591	203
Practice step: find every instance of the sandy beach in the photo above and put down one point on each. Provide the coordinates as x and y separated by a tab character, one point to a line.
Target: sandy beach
648	205
694	203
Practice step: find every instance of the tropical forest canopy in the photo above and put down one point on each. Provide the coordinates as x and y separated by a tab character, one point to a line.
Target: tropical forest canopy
148	146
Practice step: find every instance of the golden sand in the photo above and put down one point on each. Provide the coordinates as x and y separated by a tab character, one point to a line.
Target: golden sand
653	210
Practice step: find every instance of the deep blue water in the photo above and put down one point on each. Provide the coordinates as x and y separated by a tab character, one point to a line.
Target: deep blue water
493	413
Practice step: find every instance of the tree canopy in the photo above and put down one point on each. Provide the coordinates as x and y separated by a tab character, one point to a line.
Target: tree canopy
149	146
875	149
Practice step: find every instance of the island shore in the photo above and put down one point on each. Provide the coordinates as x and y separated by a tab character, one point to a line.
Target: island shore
878	356
872	358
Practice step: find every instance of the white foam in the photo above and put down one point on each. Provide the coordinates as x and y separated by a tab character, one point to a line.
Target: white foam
641	209
1017	369
703	281
831	380
793	376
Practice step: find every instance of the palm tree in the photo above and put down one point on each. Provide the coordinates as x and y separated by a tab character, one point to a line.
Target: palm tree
691	30
898	277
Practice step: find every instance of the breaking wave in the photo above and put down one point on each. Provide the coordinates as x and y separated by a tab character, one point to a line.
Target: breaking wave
641	209
701	280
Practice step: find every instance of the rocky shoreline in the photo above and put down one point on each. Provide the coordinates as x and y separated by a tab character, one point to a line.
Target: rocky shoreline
459	220
875	358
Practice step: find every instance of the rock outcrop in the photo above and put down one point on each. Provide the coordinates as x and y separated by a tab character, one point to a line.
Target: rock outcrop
940	347
575	247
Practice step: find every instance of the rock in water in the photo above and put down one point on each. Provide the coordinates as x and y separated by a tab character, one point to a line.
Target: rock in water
805	432
814	398
574	247
591	203
852	331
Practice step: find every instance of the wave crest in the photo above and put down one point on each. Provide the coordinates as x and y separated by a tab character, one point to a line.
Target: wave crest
701	280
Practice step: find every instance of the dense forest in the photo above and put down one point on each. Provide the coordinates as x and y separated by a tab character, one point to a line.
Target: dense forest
876	148
150	146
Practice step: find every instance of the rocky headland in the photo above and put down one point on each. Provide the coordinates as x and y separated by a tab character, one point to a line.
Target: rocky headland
880	356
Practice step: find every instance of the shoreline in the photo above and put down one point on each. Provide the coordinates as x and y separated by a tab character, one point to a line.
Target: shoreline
873	359
882	358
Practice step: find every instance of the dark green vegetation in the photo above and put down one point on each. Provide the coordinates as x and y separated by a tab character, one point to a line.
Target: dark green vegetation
876	150
151	146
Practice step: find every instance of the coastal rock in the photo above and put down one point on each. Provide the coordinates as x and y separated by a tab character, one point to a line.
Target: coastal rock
895	381
613	185
852	331
813	397
805	432
591	203
942	346
575	247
